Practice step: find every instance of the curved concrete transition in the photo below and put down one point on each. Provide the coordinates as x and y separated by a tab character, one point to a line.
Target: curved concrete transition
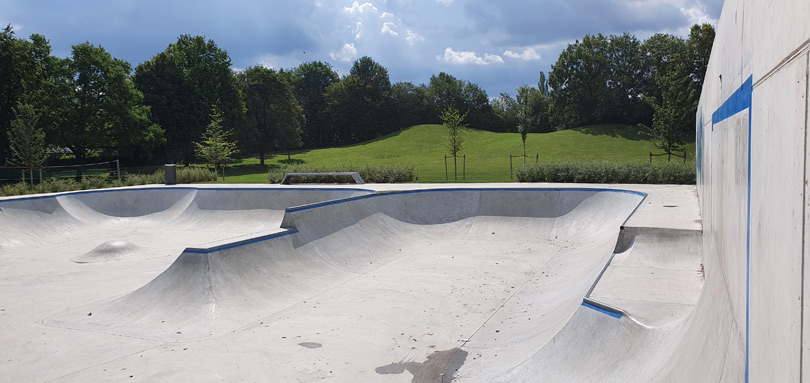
476	284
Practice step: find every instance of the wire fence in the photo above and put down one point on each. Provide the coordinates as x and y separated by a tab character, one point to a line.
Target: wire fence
10	174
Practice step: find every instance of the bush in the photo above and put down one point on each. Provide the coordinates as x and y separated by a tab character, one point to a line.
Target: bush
608	172
58	185
190	175
17	188
369	173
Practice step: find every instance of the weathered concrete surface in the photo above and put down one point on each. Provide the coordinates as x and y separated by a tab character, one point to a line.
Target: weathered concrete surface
753	188
427	285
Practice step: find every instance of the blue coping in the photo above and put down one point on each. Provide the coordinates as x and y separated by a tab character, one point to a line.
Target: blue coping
175	188
601	310
381	194
739	101
238	244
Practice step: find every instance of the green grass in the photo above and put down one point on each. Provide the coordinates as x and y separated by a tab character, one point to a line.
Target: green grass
423	147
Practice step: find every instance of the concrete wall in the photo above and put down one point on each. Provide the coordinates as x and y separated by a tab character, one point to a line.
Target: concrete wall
753	186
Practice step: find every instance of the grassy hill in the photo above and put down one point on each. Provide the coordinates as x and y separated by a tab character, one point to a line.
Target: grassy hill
423	146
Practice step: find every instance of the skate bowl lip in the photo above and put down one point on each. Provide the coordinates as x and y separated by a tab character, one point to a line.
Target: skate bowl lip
247	239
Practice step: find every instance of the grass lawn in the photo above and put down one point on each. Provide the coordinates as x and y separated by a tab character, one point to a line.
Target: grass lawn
423	146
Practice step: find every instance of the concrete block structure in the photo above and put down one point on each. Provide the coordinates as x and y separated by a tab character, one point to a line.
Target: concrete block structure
753	189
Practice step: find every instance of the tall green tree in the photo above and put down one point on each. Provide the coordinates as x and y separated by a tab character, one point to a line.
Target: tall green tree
578	80
27	73
102	111
447	91
411	105
216	147
359	104
273	117
680	84
310	81
699	48
27	138
182	83
453	121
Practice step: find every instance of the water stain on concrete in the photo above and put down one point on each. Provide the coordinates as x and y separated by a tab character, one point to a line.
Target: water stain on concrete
438	368
310	345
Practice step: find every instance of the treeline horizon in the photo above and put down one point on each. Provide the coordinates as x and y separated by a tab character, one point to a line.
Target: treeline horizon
100	106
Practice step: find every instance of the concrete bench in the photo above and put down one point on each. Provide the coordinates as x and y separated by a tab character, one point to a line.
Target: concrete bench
355	175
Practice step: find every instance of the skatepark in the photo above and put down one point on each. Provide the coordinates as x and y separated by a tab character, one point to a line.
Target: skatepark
438	283
360	283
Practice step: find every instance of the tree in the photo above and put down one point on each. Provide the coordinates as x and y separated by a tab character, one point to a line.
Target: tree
27	72
675	113
102	111
358	105
216	147
310	81
273	117
27	139
679	83
699	48
182	83
411	105
453	121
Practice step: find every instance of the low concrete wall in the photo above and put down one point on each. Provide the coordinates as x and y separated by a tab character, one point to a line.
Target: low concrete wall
752	183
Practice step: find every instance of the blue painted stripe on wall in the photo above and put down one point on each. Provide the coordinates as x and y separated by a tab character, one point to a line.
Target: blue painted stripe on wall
739	101
603	311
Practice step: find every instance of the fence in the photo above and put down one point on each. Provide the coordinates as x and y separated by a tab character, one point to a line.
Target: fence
669	156
511	168
10	174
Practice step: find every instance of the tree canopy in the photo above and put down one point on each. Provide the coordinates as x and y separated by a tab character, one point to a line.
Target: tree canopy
93	103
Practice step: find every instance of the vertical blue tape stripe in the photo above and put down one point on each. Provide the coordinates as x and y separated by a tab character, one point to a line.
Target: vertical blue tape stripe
739	101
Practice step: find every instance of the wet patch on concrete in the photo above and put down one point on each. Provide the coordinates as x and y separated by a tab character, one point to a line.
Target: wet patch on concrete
310	345
438	368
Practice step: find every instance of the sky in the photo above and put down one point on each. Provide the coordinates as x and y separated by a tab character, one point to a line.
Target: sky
497	44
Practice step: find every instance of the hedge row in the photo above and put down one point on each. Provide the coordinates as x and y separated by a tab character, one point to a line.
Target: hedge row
608	172
185	175
370	173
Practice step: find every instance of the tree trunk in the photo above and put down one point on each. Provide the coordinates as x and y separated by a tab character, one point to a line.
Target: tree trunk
455	168
288	155
524	151
260	149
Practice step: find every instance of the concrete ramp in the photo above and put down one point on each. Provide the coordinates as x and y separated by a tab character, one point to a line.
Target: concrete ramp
558	241
475	284
654	281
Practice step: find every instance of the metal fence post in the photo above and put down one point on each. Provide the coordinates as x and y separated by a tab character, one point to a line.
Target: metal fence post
118	170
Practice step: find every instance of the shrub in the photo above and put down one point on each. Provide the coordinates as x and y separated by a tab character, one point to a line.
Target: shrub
190	175
58	185
608	172
369	173
17	188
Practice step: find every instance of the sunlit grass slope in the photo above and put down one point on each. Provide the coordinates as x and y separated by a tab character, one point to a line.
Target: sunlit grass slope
424	147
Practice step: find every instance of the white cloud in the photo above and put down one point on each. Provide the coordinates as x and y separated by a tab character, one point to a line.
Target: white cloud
388	27
697	15
268	61
358	8
386	14
413	38
445	2
527	55
358	30
466	57
346	54
488	58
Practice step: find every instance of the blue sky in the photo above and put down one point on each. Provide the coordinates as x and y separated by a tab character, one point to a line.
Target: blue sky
498	45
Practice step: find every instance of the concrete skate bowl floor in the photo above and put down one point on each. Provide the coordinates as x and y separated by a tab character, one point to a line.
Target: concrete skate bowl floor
376	284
